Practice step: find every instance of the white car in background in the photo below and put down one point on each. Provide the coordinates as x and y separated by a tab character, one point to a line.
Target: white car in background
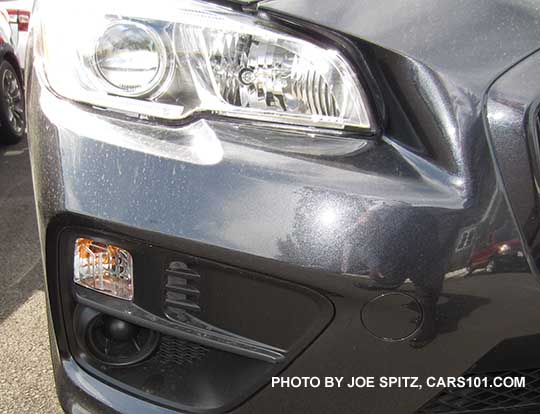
19	12
5	27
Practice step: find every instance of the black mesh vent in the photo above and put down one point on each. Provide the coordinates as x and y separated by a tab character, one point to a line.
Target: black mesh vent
178	352
181	289
473	400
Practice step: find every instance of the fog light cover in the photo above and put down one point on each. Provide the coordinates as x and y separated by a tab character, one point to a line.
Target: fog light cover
103	267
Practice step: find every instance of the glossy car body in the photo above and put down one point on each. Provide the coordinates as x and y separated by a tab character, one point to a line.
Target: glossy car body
368	234
496	255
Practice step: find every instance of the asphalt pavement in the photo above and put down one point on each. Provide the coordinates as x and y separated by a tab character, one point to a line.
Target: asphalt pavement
26	381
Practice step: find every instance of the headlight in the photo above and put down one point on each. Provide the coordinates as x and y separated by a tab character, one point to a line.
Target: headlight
174	58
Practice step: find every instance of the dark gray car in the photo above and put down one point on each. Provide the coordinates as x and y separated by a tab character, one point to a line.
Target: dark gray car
272	207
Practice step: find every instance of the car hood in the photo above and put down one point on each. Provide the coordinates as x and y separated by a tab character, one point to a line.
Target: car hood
470	42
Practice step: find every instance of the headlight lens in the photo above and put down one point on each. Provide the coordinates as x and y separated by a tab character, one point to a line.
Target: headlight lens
131	57
179	57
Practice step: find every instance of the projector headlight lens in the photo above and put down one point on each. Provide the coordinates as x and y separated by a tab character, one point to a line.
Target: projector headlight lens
131	57
181	57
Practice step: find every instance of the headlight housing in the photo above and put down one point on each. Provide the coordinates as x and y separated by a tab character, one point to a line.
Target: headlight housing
175	58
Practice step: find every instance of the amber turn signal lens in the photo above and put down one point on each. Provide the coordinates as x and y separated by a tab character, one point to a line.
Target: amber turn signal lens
103	267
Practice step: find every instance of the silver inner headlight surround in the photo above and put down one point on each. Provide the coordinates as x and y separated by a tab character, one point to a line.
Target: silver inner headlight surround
173	58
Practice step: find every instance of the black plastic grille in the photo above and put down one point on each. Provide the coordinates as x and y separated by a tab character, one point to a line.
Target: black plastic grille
178	352
473	400
181	289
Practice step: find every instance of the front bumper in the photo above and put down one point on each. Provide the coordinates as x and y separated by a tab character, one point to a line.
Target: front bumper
331	225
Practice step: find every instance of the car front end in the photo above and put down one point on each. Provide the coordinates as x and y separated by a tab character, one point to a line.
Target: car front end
239	200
